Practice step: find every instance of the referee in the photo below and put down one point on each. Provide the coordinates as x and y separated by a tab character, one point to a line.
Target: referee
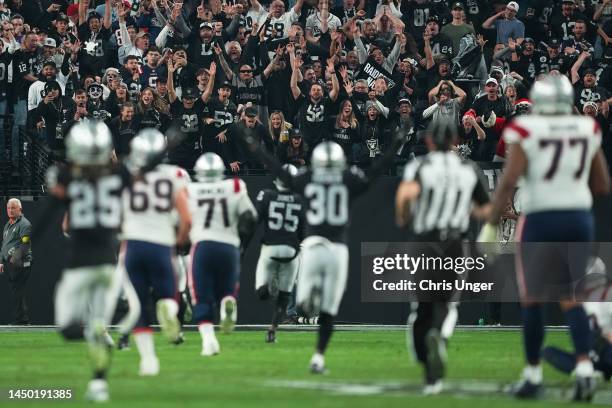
437	192
16	257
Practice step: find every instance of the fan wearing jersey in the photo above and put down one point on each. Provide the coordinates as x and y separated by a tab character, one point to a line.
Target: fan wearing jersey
90	187
559	158
149	239
281	215
279	21
328	188
445	191
223	217
219	114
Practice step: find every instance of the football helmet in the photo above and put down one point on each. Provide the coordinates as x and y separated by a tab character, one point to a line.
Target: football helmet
328	155
289	168
147	144
89	143
551	95
209	168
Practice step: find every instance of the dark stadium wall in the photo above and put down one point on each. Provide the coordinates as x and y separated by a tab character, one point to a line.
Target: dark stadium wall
372	220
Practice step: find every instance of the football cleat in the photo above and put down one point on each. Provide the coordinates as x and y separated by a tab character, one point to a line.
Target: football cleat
166	315
97	391
584	388
229	314
317	364
210	347
124	342
436	356
149	366
271	336
180	339
525	389
434	388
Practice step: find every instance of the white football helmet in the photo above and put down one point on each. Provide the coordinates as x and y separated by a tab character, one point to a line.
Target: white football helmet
209	168
328	155
551	95
147	144
289	168
89	143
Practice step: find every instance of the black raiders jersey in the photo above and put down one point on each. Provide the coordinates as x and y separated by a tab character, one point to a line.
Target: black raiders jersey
282	215
93	204
328	196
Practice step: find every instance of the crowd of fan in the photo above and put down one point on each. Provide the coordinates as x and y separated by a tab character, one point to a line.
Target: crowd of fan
293	72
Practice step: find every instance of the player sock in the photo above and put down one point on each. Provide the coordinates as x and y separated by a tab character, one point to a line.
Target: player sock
281	306
533	333
206	330
144	343
579	328
326	326
533	374
584	368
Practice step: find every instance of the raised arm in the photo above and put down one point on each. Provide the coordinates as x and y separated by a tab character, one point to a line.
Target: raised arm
459	92
298	7
125	36
333	94
170	81
362	53
229	74
210	86
107	14
293	83
428	52
575	77
488	23
83	6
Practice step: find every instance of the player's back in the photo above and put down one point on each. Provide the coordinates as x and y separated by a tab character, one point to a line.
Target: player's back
94	211
149	203
216	208
281	213
328	195
559	151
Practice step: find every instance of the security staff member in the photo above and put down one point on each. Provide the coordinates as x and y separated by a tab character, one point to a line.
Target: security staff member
16	256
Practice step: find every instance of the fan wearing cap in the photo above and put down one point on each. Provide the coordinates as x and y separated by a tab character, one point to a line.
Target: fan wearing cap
58	112
201	42
587	90
36	92
94	37
491	111
554	60
506	24
439	43
526	59
141	42
239	157
561	23
59	29
457	28
188	119
219	114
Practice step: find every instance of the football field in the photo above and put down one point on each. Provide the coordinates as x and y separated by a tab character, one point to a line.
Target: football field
367	368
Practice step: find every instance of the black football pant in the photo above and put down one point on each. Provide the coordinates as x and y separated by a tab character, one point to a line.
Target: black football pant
430	315
18	278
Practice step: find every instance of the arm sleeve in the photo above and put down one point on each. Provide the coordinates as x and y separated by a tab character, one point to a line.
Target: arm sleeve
362	53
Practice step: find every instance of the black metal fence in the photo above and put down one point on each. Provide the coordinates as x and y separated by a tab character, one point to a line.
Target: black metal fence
26	176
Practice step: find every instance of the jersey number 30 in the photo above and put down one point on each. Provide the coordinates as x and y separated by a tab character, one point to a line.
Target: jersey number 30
327	204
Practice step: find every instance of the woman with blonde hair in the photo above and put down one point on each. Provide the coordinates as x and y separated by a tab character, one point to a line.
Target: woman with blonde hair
279	128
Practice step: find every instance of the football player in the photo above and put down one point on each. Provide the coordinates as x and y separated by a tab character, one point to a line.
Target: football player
223	217
149	239
281	215
328	188
558	155
445	191
90	186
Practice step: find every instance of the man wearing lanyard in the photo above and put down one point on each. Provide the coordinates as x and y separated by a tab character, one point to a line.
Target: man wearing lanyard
16	257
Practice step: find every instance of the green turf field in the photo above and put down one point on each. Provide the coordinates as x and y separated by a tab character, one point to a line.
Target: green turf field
367	369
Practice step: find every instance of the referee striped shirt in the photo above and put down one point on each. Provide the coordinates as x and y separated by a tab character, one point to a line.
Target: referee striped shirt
449	185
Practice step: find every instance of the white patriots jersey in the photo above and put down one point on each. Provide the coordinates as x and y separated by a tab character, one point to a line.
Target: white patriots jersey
215	208
149	206
281	25
559	150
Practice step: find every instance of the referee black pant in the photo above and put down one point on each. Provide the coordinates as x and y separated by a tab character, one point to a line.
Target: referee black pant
18	278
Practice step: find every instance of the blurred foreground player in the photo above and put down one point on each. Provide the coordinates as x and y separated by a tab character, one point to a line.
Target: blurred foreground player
281	213
223	216
328	188
149	238
439	191
559	157
90	186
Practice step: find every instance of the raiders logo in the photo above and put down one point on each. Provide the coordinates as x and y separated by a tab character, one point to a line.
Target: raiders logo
372	145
